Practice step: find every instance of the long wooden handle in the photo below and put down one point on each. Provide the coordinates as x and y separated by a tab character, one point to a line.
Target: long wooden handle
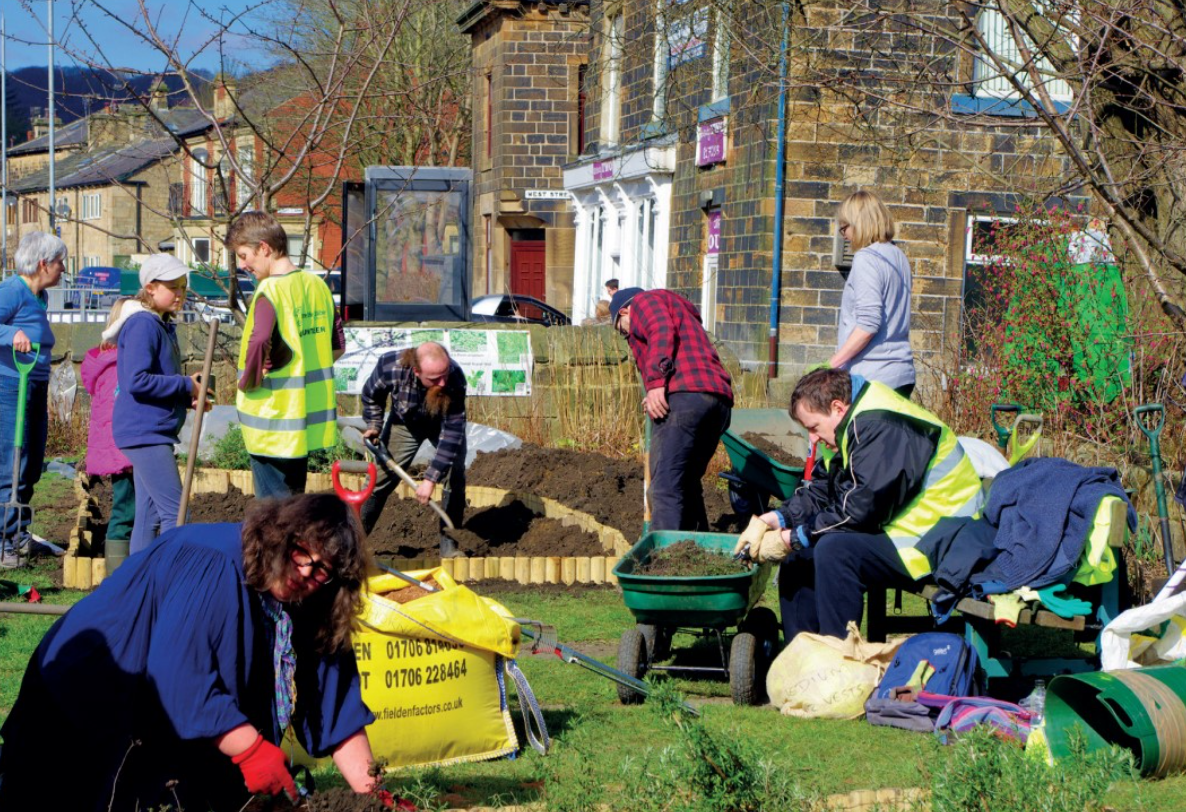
199	413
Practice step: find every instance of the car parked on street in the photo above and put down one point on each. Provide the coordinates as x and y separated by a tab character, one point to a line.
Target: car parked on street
511	308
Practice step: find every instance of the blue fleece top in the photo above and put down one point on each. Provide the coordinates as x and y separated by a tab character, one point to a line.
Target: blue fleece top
153	393
21	310
179	648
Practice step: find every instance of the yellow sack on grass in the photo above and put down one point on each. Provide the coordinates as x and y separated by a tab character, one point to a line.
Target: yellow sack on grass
433	671
821	677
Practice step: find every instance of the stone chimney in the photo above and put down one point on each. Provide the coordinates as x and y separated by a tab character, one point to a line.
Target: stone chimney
108	127
224	97
159	101
40	122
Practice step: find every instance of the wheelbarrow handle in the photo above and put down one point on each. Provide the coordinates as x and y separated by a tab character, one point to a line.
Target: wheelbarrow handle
353	498
1150	408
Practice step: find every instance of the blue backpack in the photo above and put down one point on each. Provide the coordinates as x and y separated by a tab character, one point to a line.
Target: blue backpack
937	662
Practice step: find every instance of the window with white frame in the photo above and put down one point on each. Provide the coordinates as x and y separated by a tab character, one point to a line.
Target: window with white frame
92	206
244	183
720	53
296	250
201	250
991	80
659	76
197	182
981	235
611	78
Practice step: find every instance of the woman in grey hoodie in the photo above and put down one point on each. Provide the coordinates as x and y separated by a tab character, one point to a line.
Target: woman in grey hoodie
873	336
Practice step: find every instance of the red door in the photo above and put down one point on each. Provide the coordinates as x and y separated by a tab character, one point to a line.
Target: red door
528	275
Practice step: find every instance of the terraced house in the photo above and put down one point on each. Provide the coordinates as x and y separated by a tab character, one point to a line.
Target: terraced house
676	181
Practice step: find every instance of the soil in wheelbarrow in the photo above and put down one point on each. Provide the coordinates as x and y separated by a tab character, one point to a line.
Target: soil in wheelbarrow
687	558
608	489
763	443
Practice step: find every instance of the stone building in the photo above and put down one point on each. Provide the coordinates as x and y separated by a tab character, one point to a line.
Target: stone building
529	65
676	183
130	181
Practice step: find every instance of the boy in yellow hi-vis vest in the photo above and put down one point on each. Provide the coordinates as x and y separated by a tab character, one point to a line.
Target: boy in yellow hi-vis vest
898	485
292	337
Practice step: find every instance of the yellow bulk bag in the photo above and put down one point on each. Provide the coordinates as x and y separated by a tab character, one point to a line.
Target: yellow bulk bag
821	677
433	672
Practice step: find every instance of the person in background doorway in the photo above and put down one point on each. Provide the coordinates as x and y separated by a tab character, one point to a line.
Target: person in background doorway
427	391
103	458
153	396
204	650
689	398
40	262
291	339
873	336
611	287
898	487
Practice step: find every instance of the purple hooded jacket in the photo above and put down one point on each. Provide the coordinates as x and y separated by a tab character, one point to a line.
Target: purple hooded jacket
103	458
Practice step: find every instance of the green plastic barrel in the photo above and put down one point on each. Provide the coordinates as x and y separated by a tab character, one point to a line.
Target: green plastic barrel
114	552
1142	710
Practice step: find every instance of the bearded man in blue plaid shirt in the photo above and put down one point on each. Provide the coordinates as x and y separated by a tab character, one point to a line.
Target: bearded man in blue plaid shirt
427	392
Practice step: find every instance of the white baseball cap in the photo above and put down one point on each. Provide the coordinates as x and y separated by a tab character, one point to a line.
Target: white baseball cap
162	268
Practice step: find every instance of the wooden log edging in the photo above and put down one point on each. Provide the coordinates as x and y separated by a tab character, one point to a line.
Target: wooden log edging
520	569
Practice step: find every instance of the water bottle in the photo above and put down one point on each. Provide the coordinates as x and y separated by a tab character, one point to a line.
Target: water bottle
1035	703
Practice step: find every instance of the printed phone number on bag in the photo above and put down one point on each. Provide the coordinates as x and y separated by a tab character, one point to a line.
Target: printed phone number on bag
397	649
431	674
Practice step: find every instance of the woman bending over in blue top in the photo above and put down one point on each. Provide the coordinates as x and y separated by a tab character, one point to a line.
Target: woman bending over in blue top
152	397
40	261
196	655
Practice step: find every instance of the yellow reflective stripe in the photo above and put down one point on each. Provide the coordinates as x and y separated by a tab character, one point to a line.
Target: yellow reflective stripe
915	562
275	383
258	423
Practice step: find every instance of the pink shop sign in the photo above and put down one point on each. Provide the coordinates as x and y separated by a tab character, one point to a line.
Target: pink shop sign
603	170
714	232
710	142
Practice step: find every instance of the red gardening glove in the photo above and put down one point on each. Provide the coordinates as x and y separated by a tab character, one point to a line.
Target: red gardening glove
391	802
264	770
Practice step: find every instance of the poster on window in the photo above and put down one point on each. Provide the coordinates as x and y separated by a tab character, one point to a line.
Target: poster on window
495	362
687	37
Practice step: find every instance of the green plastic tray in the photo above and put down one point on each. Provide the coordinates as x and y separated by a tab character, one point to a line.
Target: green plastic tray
706	602
756	467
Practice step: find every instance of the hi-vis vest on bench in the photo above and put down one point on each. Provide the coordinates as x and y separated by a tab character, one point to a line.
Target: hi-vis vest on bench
293	412
951	487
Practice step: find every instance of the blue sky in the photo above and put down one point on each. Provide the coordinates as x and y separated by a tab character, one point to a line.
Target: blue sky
78	22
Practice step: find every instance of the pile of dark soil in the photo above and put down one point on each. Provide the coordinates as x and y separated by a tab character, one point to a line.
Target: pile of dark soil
408	530
56	515
335	799
763	443
687	558
609	490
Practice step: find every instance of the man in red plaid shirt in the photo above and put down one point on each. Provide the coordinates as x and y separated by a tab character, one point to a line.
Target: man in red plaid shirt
689	398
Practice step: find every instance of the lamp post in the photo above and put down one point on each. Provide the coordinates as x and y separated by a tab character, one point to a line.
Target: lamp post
49	13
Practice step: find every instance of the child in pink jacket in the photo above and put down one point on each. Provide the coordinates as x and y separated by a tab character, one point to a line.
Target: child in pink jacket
103	458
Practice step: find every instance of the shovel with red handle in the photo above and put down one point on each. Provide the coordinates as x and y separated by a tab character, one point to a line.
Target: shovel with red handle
355	500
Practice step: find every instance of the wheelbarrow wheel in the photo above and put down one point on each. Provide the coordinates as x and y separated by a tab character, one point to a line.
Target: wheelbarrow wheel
632	660
762	623
658	640
743	670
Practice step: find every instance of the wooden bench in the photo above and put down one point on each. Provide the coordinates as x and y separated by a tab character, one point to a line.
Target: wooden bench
983	632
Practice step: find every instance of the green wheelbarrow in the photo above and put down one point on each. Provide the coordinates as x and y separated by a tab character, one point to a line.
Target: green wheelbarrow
756	476
721	608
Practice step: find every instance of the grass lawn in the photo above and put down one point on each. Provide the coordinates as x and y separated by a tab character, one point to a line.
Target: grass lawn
602	750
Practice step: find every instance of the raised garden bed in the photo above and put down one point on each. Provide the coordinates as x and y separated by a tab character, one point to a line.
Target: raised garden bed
534	515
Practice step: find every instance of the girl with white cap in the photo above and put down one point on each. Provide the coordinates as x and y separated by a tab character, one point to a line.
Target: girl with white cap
152	397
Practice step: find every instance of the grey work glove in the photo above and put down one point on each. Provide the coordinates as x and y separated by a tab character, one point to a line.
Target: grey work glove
751	537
